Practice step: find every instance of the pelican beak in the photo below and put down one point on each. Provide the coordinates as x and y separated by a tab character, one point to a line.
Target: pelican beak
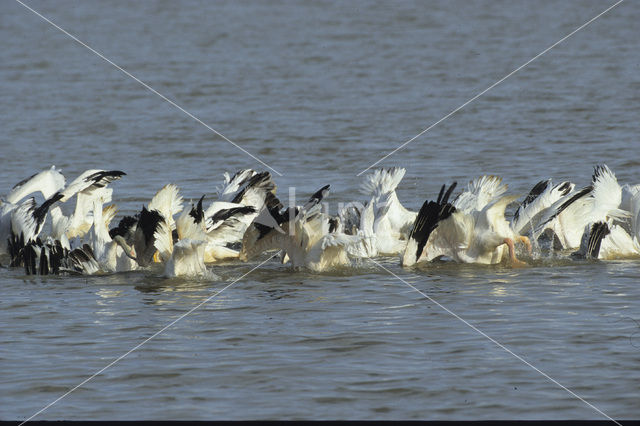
156	257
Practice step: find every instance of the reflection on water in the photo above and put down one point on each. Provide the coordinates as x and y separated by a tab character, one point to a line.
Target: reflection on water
498	291
107	293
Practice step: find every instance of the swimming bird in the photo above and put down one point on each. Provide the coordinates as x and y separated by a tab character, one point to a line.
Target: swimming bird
187	260
391	222
307	242
241	200
48	182
356	219
137	234
614	238
101	253
89	186
472	229
568	217
155	240
541	196
308	237
607	241
113	254
184	252
273	215
223	228
26	222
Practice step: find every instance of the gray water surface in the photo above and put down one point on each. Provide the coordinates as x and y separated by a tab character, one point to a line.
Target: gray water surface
319	91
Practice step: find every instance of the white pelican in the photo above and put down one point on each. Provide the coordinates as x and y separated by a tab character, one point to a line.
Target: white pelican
154	237
101	253
113	254
48	182
157	221
226	226
391	222
541	196
136	235
187	260
245	189
308	237
363	221
308	244
186	256
89	186
569	216
383	183
606	240
472	229
274	214
610	240
151	226
241	200
26	222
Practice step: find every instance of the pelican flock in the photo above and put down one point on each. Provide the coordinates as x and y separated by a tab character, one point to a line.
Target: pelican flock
245	219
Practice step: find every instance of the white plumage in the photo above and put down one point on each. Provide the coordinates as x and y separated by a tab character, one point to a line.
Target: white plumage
307	242
48	182
600	221
472	229
187	260
91	185
569	216
112	255
391	221
541	196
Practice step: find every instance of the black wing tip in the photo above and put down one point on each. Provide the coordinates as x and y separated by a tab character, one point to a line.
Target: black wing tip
225	214
197	212
102	178
333	224
272	202
244	210
40	213
430	215
262	180
320	193
115	173
575	197
564	187
599	230
105	173
538	189
443	196
23	181
535	192
124	226
599	170
258	178
148	222
146	214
